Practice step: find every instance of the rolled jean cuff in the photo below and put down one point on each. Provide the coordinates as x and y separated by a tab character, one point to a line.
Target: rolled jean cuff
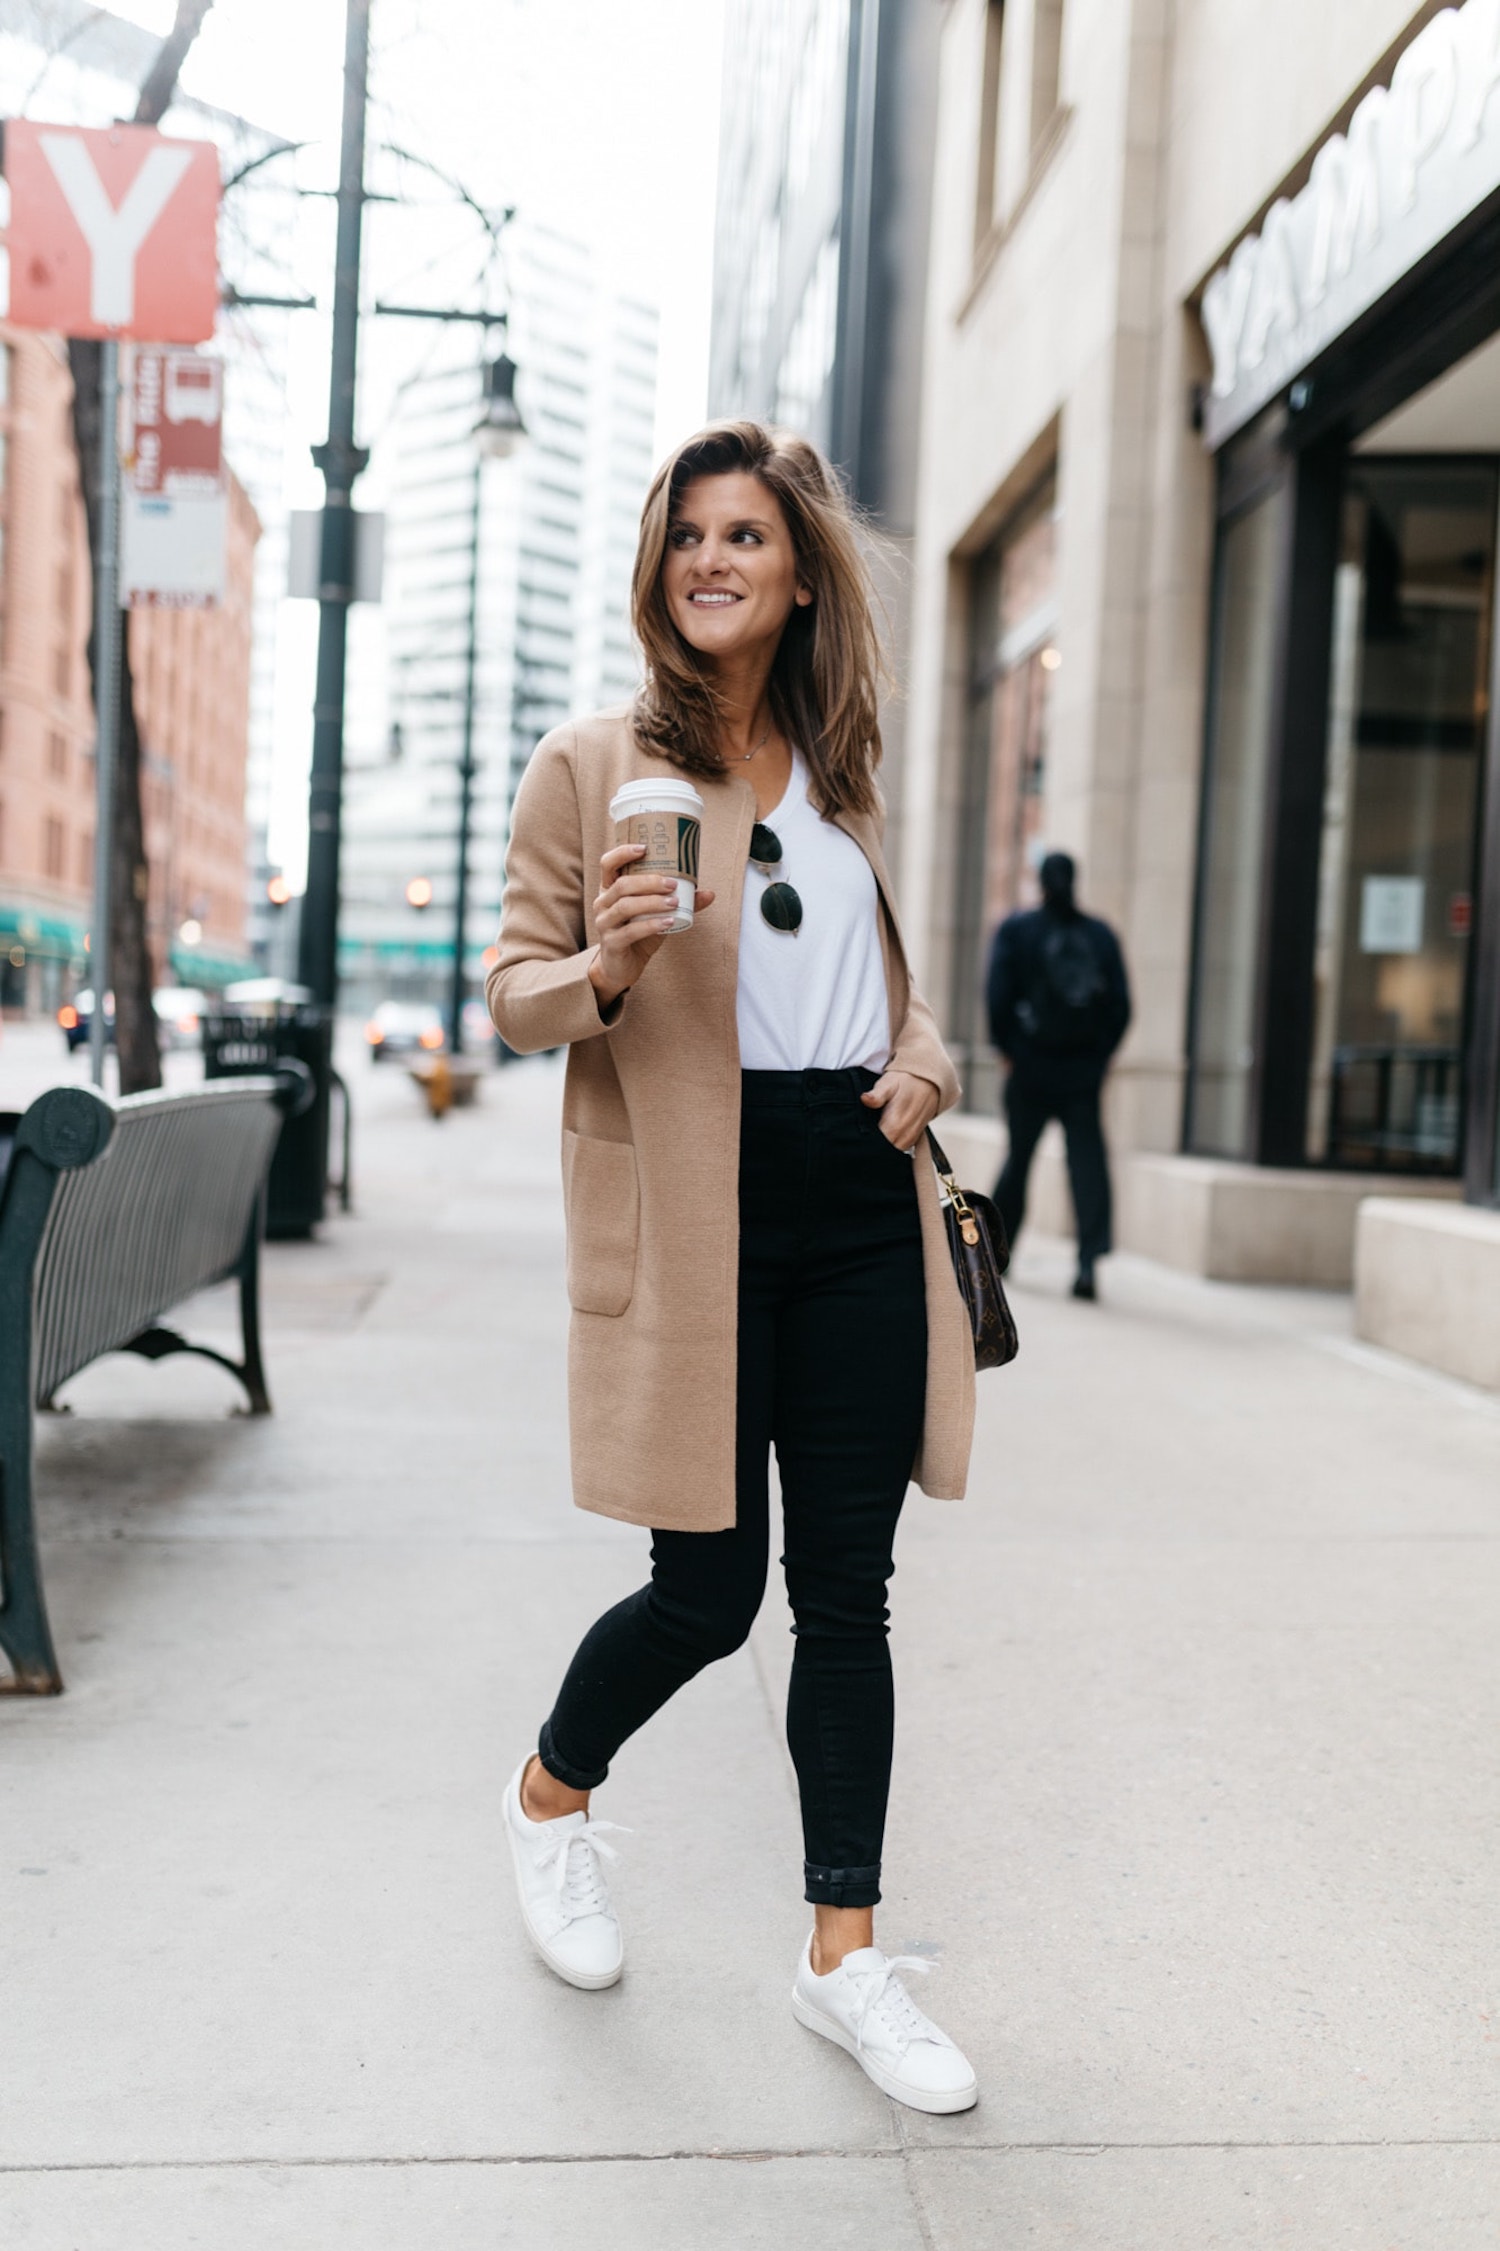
573	1777
840	1887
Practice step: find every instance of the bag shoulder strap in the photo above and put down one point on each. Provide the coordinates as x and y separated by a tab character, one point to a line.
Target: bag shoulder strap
952	1195
939	1158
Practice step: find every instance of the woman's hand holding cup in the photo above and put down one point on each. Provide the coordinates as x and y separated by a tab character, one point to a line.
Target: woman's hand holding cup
632	914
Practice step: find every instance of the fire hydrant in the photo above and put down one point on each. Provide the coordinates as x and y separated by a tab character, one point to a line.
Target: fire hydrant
436	1081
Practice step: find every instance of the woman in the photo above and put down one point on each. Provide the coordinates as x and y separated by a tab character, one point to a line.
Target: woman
754	1256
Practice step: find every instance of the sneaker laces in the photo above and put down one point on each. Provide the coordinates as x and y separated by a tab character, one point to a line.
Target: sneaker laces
581	1889
886	1999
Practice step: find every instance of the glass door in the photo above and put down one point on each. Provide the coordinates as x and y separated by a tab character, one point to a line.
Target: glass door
1221	1075
1408	700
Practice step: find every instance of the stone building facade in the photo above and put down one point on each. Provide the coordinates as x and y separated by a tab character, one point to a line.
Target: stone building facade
1205	583
192	672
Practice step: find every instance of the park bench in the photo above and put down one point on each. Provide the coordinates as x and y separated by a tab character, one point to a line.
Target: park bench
111	1213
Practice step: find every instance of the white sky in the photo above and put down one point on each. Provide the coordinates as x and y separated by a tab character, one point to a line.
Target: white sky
597	117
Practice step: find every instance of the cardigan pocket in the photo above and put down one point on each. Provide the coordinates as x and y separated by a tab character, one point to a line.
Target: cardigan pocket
603	1201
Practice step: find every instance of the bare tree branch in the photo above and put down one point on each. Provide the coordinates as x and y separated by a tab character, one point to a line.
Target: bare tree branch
157	95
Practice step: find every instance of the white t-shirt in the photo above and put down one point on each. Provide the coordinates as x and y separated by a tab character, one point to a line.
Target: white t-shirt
816	1001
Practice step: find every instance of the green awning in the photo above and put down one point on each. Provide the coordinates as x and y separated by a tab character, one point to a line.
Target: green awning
45	935
354	950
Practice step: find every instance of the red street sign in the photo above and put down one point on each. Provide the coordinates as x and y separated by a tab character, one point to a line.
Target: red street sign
175	512
177	403
112	232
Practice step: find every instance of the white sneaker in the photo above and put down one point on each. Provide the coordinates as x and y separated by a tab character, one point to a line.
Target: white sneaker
564	1898
862	2006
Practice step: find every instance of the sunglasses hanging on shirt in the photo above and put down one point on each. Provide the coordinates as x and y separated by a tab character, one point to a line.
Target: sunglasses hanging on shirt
779	903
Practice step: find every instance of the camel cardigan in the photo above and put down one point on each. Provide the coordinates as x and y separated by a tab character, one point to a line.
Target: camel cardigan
650	1143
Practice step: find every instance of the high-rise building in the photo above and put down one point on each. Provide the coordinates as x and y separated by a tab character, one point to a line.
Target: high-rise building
820	256
526	562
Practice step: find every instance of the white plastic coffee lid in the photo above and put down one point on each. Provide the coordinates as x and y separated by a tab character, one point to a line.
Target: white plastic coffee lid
654	797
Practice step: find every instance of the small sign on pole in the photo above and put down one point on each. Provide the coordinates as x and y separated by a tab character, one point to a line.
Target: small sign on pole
175	517
304	553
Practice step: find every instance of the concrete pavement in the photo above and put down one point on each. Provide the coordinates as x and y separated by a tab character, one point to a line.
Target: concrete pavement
1195	1802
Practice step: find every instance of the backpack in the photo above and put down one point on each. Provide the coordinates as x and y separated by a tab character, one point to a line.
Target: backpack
1069	997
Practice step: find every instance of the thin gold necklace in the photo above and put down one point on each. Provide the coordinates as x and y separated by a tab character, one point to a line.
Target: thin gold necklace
743	757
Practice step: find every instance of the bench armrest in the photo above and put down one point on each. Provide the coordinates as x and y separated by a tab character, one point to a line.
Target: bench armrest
66	1127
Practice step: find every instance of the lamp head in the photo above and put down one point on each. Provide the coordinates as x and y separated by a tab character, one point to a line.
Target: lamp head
500	430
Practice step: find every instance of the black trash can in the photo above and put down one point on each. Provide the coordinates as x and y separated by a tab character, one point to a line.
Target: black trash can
250	1046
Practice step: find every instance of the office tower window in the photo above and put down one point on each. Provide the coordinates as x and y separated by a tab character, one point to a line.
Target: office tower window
802	384
1046	65
989	120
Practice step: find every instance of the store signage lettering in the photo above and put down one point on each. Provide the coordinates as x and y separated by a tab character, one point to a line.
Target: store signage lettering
1418	156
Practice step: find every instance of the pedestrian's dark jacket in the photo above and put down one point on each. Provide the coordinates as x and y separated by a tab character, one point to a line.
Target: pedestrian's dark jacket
1014	994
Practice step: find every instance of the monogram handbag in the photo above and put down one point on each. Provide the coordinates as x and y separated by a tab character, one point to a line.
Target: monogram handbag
980	1253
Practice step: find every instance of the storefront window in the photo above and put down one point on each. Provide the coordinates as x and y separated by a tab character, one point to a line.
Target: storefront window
1013	659
1407	705
1234	821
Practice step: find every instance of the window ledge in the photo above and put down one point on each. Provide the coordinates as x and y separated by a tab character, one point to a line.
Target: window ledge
988	248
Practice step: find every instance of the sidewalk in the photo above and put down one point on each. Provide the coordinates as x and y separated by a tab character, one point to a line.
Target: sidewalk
1197	1791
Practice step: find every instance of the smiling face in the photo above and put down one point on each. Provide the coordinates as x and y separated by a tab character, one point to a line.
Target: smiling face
730	571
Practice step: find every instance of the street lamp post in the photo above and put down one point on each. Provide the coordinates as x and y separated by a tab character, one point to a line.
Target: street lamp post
498	433
340	460
458	982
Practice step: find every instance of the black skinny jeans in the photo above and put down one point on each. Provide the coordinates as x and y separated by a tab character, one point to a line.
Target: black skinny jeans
833	1373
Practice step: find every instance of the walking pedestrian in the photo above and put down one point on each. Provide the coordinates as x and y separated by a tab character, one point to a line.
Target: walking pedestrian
756	1254
1059	1006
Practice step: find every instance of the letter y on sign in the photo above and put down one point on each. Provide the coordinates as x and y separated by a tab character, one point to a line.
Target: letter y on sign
113	232
113	236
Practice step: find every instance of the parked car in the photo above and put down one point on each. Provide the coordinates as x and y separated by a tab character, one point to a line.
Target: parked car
402	1027
77	1015
179	1011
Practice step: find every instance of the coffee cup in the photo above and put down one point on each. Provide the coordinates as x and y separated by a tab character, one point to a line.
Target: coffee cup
666	817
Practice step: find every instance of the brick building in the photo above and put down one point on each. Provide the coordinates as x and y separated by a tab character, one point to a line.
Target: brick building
192	672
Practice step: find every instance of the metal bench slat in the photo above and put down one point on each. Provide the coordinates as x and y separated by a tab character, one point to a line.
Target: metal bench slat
160	1214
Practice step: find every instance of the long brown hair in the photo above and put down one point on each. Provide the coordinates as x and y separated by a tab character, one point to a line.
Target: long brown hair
828	670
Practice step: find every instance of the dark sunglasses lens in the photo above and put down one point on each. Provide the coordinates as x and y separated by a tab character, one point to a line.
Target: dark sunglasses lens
781	907
765	844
